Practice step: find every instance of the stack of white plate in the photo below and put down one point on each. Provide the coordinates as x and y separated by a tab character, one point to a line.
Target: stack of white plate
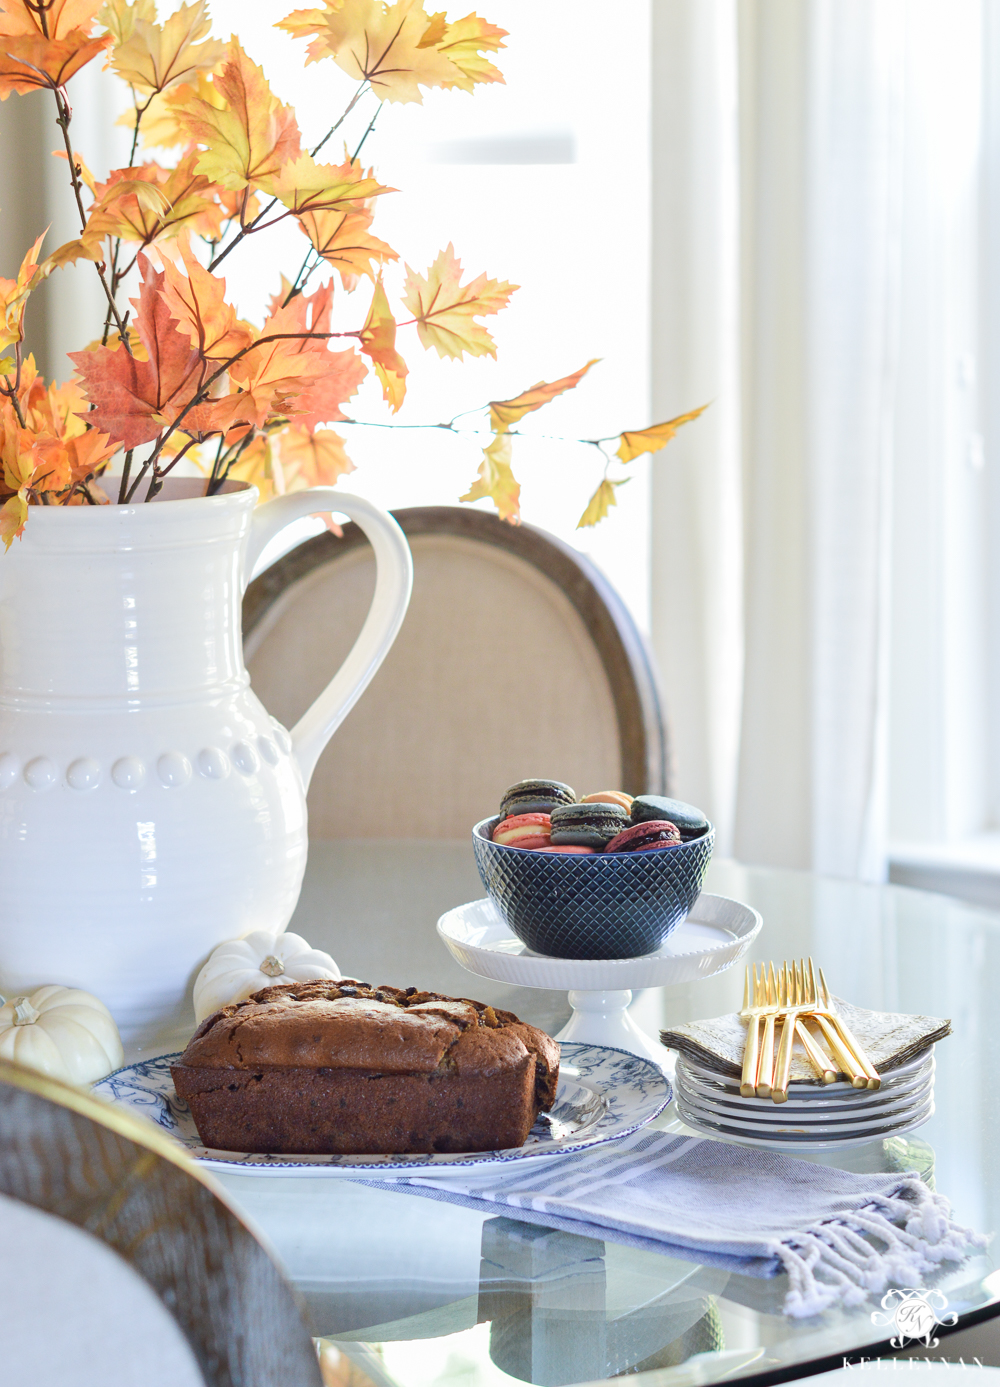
816	1117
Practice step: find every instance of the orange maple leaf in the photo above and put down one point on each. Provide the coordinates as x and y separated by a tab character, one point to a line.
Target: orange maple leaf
133	400
377	43
313	457
197	302
496	480
654	438
29	61
62	17
148	203
445	310
503	413
251	137
297	375
33	54
378	341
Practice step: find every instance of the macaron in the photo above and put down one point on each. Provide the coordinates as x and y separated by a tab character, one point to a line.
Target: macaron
647	808
587	825
523	831
609	797
656	833
571	848
536	797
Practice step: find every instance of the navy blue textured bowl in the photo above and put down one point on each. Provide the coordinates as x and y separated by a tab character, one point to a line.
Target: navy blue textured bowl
600	905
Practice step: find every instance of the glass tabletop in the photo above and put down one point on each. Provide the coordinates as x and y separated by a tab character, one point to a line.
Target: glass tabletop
409	1292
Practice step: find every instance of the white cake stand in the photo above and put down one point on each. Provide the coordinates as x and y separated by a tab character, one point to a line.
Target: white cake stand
715	935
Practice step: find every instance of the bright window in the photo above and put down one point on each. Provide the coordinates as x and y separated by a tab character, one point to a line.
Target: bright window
544	182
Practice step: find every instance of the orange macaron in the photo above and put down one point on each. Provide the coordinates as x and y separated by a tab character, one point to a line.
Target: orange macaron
524	831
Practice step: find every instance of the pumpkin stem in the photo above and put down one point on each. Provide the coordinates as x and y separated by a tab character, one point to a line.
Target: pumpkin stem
272	966
24	1013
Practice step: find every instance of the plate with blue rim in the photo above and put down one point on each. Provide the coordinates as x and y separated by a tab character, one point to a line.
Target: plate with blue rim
603	1094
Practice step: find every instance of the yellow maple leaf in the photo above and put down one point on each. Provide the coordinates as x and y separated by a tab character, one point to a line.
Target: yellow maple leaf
248	139
445	310
378	341
343	240
14	295
119	17
496	480
651	440
463	41
83	248
161	112
83	172
600	503
503	413
305	186
155	56
376	43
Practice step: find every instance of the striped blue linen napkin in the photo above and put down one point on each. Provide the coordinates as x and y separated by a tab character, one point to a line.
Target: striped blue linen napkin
839	1236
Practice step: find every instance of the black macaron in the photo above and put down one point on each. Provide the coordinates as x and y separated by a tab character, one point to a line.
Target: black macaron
691	821
587	825
536	797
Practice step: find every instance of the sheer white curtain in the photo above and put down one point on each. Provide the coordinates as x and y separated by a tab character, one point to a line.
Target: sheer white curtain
819	257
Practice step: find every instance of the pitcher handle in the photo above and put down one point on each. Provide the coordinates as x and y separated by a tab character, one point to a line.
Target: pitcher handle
393	583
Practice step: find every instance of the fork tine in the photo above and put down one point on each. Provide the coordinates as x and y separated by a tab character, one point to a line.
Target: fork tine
772	986
824	990
812	983
800	982
746	988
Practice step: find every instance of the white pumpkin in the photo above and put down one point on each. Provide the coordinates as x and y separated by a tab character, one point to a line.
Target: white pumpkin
62	1032
241	967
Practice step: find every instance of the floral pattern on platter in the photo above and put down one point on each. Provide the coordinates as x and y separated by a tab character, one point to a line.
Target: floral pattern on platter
603	1094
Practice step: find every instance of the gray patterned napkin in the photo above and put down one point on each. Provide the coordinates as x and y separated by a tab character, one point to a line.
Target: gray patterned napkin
890	1039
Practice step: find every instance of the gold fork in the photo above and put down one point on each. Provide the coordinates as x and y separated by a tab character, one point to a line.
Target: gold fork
796	1000
755	1005
826	1015
829	1024
765	1065
790	1002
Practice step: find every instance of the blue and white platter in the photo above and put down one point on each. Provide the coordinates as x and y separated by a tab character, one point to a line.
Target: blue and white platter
603	1094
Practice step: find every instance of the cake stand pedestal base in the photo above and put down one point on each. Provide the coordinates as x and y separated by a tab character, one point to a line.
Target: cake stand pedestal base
601	1018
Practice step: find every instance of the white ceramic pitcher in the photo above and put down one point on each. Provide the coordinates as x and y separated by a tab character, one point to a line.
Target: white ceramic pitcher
149	806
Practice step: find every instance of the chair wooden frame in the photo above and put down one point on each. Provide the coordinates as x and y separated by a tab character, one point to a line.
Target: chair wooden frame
622	650
119	1178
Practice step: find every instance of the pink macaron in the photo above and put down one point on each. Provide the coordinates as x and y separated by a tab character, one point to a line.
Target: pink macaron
524	831
647	837
571	849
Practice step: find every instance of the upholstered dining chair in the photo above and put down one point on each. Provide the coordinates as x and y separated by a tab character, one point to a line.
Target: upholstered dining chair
517	658
122	1263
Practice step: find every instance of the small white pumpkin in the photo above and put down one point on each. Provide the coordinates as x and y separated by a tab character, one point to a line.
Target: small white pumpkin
240	967
62	1032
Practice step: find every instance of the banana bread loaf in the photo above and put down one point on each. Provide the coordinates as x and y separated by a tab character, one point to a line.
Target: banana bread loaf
348	1069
